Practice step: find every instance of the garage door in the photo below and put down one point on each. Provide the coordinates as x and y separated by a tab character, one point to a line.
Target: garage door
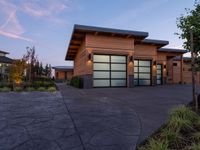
142	72
109	71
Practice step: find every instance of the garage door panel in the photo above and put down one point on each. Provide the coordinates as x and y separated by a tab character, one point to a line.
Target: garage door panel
109	71
142	72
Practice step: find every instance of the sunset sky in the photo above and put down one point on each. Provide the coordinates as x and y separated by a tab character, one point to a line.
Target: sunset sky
47	24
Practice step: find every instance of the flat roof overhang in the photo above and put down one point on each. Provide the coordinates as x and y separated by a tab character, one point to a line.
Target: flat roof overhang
173	50
157	43
79	32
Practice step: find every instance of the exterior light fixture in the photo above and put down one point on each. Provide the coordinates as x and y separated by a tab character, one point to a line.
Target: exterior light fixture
165	66
89	56
154	63
130	58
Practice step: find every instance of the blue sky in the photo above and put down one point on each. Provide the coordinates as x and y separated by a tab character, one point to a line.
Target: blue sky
47	24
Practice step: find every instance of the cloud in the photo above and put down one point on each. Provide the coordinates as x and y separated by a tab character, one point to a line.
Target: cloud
11	26
46	9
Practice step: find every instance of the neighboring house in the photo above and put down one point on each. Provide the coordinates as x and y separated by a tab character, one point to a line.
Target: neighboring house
63	72
4	63
105	57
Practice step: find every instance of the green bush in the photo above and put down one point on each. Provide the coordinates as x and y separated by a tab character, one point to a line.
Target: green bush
30	89
6	84
18	89
41	89
76	82
5	89
194	147
51	89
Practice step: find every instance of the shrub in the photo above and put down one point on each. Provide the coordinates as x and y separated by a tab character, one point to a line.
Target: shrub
76	82
51	89
30	89
194	147
5	89
155	145
6	84
18	89
41	89
170	135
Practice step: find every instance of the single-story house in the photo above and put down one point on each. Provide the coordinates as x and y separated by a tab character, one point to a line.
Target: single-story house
63	72
4	63
106	57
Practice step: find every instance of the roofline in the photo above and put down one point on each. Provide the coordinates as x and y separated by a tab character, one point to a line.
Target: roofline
154	41
173	50
110	30
4	52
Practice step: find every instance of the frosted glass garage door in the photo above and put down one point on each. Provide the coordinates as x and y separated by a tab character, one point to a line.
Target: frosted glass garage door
109	71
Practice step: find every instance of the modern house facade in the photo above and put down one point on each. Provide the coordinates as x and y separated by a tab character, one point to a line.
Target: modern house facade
105	57
4	63
63	72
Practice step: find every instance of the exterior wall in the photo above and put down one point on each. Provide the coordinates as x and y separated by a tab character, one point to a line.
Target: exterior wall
63	75
2	54
80	61
176	71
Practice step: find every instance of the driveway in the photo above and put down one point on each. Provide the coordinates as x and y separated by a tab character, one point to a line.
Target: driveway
85	119
120	118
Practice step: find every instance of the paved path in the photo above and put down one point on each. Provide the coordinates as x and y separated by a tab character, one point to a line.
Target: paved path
120	118
36	121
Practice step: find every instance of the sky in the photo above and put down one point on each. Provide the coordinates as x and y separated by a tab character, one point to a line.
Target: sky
48	24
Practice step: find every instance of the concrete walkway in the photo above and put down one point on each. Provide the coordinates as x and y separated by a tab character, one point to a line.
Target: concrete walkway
120	118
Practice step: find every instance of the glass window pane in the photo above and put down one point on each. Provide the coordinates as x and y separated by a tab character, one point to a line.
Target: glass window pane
159	72
135	82
100	74
118	74
158	81
144	76
101	83
135	62
144	82
135	75
118	66
135	69
118	82
144	63
159	67
120	59
144	69
101	66
101	58
159	76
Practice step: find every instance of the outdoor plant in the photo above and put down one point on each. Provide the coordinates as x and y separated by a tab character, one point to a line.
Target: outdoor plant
76	82
181	132
51	89
18	89
5	89
41	89
30	89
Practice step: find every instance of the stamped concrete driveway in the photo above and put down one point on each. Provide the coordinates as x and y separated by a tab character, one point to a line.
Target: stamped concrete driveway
85	119
120	118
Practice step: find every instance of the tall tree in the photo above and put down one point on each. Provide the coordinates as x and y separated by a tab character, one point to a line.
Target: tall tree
189	25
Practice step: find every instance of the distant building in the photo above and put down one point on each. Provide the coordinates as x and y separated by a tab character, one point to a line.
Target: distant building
63	72
4	63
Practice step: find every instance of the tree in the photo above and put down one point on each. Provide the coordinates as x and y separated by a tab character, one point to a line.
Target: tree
41	69
31	59
16	70
190	32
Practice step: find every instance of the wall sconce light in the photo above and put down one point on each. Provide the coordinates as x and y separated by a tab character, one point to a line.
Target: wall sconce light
154	63
130	58
89	56
165	66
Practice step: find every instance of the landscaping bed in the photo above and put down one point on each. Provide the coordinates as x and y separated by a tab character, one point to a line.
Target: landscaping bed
38	84
181	132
